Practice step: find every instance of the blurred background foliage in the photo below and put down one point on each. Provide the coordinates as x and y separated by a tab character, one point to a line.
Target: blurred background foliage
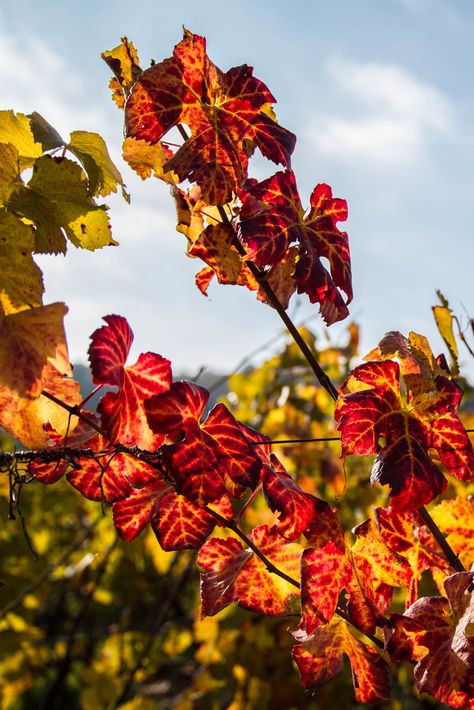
97	623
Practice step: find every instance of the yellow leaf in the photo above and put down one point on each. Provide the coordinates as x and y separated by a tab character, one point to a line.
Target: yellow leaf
123	61
444	322
21	281
91	150
9	171
147	159
16	129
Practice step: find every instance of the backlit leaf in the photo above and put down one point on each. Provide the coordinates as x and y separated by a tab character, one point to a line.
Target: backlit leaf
236	574
17	292
371	407
28	339
436	632
9	171
92	152
15	129
455	518
273	219
226	113
123	61
146	159
319	658
122	412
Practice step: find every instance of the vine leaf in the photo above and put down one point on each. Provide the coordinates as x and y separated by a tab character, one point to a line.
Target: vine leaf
15	129
209	458
367	570
227	113
237	574
123	412
16	247
123	61
371	407
177	522
436	632
403	532
319	658
92	152
273	219
455	518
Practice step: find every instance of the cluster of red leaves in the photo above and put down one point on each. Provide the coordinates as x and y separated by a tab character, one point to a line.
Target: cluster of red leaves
157	461
229	115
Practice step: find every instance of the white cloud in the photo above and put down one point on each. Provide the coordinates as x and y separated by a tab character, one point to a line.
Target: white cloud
389	118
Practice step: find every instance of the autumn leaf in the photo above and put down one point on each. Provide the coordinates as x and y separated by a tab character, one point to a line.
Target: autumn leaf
273	219
237	574
371	408
91	151
9	171
436	632
177	523
16	247
15	129
455	518
211	458
401	532
122	412
319	658
28	339
146	159
227	114
123	61
56	199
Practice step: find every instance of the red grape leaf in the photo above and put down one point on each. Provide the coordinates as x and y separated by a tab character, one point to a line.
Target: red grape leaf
371	407
319	658
368	571
176	521
401	532
437	633
237	574
297	509
109	477
273	219
226	113
122	412
213	457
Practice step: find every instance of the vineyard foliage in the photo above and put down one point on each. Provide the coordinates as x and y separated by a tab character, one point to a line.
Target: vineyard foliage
300	499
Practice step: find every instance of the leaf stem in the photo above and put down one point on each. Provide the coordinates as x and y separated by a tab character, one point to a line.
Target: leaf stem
448	552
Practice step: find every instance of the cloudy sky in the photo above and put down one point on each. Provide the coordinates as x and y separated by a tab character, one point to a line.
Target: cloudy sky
380	94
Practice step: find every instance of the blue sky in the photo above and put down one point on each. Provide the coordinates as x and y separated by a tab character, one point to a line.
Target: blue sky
380	95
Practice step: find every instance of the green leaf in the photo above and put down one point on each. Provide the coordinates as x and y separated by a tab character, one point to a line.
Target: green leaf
16	129
92	151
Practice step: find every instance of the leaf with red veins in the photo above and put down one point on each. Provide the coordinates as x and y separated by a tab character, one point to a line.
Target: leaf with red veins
436	632
401	533
109	477
297	509
273	219
227	115
122	412
203	279
235	574
377	570
173	411
374	410
181	525
213	457
319	658
133	513
216	246
451	441
325	572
